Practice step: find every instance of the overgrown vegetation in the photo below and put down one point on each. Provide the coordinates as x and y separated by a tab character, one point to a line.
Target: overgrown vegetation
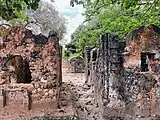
40	16
13	9
46	18
113	16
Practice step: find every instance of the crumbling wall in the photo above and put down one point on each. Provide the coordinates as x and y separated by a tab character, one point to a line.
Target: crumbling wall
143	40
36	60
14	99
88	62
76	64
119	91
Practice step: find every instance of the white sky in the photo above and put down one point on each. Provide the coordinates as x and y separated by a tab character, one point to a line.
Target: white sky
72	14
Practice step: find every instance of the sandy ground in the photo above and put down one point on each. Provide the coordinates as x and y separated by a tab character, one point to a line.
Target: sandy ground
75	78
76	99
83	99
82	96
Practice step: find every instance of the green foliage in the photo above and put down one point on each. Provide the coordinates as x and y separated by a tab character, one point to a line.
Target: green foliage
66	54
12	9
119	22
86	35
125	4
94	7
114	20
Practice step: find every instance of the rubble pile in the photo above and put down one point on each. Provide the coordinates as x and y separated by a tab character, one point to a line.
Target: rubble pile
76	64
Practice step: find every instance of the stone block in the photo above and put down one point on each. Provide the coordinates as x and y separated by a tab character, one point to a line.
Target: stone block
76	64
26	100
158	95
2	98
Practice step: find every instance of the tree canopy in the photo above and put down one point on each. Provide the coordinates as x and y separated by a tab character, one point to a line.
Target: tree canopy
94	7
10	9
38	15
47	19
113	18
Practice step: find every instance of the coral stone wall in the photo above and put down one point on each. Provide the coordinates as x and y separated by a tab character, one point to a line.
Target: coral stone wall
76	64
121	90
142	40
42	56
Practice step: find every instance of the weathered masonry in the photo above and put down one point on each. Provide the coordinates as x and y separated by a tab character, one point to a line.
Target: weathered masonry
76	64
87	62
125	76
142	51
30	71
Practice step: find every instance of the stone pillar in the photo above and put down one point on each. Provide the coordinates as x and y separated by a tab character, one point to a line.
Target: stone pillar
108	70
87	61
26	100
56	49
54	41
2	98
93	62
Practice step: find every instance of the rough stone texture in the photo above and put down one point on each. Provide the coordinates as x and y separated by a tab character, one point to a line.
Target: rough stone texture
30	70
40	52
44	108
16	99
48	117
76	64
87	61
2	98
144	40
120	89
55	118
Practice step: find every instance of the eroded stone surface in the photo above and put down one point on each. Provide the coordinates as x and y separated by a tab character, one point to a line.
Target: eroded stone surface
30	63
122	86
76	64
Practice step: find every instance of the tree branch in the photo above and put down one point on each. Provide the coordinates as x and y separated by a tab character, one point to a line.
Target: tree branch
5	25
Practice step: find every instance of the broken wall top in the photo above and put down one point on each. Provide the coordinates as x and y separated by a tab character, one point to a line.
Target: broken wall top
41	52
142	51
146	37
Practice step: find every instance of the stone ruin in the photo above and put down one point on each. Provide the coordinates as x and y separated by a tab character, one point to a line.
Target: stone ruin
30	71
125	75
88	63
76	64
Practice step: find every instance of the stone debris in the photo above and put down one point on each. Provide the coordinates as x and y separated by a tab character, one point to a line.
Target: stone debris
76	64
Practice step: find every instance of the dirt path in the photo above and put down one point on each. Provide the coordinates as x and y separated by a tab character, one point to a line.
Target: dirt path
82	96
76	100
75	78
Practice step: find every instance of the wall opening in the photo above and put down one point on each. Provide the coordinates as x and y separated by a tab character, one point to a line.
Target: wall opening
18	68
146	58
94	55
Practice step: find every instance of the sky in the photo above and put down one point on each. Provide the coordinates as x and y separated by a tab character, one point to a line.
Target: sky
72	14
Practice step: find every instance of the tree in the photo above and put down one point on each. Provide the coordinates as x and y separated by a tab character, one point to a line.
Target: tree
11	9
124	3
48	19
94	7
114	20
86	34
